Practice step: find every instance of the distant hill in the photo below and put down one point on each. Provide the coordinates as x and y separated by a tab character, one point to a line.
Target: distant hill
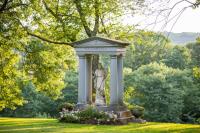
182	38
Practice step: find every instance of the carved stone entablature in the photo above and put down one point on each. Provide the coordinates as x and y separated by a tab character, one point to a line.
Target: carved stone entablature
103	50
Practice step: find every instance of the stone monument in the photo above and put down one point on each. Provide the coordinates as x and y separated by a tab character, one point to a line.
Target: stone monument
95	46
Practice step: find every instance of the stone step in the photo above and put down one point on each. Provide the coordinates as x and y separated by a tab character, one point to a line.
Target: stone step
124	114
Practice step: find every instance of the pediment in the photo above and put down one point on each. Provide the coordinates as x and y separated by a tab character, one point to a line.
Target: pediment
93	42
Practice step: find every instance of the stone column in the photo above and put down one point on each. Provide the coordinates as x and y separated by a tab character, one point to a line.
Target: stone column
81	81
113	81
88	79
120	79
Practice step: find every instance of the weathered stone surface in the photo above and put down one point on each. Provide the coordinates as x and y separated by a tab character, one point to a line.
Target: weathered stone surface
100	88
125	116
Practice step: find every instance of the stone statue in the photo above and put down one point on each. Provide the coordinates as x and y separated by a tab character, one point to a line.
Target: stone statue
100	75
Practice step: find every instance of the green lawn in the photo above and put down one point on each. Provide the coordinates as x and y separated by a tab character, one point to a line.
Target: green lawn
31	125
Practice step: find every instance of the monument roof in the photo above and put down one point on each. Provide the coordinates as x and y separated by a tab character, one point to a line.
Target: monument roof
101	39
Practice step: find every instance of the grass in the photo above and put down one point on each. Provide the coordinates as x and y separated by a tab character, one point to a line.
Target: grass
36	125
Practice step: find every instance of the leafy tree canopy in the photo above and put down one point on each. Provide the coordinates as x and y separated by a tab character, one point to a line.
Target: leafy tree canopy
160	90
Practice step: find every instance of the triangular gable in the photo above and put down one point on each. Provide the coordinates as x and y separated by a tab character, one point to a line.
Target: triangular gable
100	42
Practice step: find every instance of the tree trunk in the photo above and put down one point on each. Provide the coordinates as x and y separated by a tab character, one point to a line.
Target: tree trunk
90	32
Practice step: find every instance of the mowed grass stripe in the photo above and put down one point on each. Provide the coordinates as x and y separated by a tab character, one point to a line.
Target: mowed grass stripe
37	125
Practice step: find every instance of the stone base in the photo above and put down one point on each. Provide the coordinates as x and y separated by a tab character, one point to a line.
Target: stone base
113	108
125	116
81	106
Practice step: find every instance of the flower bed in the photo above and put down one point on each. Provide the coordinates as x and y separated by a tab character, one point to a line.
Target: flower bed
89	115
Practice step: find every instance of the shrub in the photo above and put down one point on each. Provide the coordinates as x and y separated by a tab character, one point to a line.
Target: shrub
88	116
137	111
70	118
91	113
67	106
198	120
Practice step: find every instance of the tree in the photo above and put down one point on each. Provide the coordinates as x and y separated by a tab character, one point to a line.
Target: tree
70	92
10	41
179	57
146	47
46	64
160	90
37	104
10	93
194	50
191	110
69	18
195	57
